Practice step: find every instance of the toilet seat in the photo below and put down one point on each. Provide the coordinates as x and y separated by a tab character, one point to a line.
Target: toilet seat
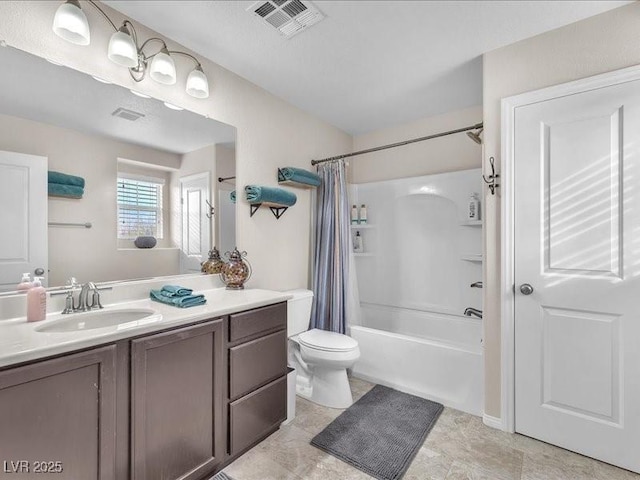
325	341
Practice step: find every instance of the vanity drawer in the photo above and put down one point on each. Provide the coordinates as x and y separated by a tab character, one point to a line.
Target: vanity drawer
255	415
256	362
245	324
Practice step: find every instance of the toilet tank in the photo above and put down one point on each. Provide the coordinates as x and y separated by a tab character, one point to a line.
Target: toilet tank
298	311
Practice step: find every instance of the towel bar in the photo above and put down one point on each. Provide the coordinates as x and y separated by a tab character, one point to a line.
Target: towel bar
66	224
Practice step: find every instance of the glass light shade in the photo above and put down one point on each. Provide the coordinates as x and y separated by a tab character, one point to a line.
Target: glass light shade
162	69
197	83
70	23
122	49
172	106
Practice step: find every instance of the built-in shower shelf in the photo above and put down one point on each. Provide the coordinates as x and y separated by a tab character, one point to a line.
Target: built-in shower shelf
472	223
363	226
363	255
472	257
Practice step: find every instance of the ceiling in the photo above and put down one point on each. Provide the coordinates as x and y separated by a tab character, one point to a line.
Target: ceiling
35	89
368	64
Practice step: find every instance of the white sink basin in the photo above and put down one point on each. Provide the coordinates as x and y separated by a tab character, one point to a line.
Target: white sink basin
119	319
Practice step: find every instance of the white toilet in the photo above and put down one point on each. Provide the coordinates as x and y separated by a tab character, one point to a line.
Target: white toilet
320	358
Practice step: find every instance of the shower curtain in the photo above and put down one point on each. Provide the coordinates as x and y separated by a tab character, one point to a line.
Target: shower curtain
335	291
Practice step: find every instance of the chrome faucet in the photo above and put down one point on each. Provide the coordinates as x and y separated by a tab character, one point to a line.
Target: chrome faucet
83	297
473	311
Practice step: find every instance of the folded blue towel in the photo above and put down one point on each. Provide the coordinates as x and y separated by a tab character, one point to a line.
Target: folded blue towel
69	191
232	196
298	175
180	302
270	195
175	291
64	179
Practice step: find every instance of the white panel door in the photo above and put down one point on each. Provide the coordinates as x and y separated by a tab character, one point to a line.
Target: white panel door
577	244
196	225
23	217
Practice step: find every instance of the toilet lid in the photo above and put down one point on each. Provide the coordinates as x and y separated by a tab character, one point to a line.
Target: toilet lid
327	341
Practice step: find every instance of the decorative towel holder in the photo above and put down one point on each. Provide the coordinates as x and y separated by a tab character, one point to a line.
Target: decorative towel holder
491	179
277	210
283	181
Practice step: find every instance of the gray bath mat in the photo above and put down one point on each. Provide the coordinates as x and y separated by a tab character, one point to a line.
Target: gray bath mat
380	433
221	476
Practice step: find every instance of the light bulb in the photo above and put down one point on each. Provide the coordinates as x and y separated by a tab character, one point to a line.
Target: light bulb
122	48
162	69
70	23
197	83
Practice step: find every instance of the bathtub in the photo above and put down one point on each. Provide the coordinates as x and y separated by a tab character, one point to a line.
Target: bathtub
431	355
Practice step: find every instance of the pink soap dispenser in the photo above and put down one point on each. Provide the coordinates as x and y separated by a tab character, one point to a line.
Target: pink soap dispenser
36	301
25	284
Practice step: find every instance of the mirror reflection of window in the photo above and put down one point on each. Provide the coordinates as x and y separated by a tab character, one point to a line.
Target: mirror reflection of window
140	207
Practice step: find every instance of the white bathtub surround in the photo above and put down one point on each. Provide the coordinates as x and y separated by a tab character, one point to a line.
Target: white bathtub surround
415	284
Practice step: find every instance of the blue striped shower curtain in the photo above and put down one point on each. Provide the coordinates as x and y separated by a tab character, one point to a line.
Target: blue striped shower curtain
332	250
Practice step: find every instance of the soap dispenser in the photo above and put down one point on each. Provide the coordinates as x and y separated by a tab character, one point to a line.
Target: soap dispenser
36	301
25	284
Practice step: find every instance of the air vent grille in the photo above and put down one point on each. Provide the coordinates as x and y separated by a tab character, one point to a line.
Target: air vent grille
127	114
289	17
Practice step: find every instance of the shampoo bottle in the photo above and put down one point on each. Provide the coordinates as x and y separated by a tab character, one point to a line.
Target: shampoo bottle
474	207
36	301
358	246
354	215
363	214
25	284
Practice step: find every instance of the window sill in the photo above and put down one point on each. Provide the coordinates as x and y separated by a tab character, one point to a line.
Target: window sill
154	248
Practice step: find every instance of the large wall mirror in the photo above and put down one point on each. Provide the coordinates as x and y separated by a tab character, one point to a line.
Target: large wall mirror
149	170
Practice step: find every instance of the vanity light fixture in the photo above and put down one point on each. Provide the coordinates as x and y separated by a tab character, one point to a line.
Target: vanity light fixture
70	23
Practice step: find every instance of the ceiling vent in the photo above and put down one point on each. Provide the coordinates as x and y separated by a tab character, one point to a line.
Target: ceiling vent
127	114
289	17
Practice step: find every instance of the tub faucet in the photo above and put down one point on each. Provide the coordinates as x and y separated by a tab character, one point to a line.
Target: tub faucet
473	311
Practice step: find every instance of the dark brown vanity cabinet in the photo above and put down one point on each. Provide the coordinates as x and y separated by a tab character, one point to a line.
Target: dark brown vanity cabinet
257	375
176	403
173	405
58	418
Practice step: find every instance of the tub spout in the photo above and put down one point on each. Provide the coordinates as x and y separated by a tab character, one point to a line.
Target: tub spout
473	311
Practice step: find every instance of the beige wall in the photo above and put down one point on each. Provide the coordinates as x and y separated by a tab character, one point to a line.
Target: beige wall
88	254
606	42
445	154
270	132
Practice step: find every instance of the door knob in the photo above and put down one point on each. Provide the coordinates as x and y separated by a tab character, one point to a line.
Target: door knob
526	289
39	271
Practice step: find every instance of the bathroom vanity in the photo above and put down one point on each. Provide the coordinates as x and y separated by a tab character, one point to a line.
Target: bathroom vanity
179	401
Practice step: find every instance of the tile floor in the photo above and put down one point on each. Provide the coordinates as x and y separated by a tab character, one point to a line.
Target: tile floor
459	447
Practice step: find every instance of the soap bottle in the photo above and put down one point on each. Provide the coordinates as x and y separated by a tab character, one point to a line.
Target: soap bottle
358	246
363	214
474	207
36	301
354	215
25	284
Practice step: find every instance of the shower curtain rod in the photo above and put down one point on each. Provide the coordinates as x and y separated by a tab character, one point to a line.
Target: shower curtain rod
399	144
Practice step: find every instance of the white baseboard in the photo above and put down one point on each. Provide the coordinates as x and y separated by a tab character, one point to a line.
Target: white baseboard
493	422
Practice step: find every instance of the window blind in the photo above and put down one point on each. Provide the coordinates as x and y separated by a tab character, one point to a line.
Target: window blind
139	208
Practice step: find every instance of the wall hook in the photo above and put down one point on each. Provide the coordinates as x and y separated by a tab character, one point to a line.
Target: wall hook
491	179
212	210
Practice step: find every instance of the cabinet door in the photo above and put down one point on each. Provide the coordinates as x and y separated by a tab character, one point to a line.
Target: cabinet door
176	404
57	418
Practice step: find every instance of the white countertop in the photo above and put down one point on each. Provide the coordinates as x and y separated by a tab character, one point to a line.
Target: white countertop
21	342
